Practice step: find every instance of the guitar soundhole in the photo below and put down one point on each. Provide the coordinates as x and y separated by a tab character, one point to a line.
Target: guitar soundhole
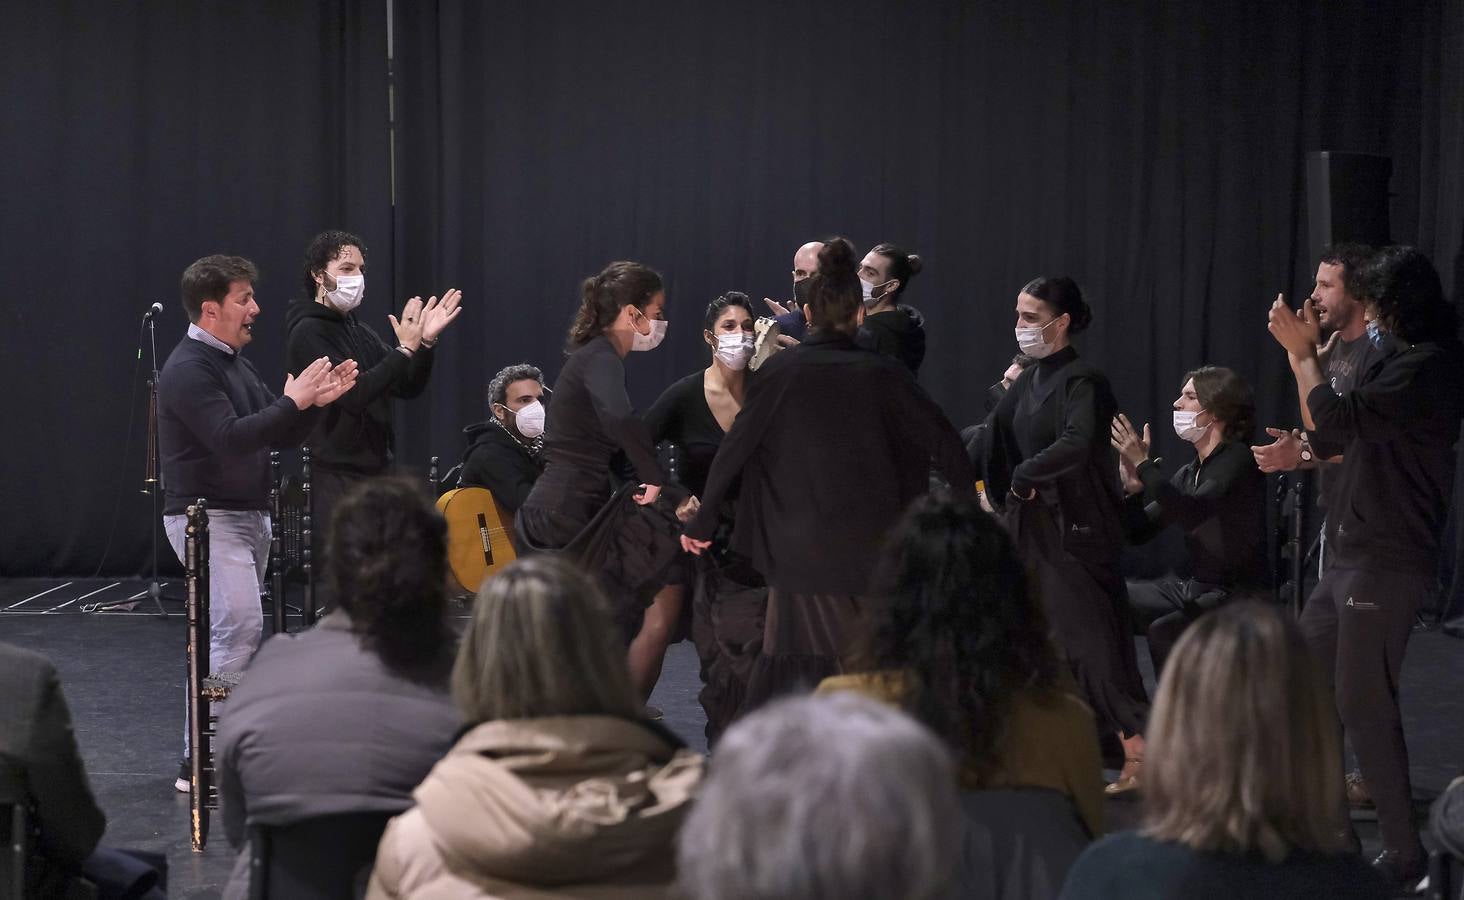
483	533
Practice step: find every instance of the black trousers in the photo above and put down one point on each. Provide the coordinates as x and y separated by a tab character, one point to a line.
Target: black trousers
1357	622
1161	611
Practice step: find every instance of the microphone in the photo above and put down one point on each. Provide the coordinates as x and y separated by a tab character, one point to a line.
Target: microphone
152	311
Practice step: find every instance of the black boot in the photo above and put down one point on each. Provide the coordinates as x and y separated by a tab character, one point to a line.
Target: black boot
1402	869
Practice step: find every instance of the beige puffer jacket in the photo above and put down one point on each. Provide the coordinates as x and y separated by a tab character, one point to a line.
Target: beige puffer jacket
567	807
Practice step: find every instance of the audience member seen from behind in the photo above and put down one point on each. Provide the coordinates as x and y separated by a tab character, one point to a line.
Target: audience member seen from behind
41	770
956	638
349	716
559	788
1243	786
823	798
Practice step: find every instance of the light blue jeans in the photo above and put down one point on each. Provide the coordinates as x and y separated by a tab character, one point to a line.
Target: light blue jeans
238	554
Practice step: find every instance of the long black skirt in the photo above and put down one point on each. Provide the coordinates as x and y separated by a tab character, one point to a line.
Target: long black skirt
627	548
1086	605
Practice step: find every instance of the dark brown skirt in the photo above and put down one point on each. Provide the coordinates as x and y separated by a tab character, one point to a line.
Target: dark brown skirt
805	640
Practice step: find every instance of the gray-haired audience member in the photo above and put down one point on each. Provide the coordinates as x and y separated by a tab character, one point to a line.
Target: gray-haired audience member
833	797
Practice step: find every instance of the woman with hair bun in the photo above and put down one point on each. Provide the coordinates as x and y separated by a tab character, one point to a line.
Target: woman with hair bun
573	507
833	442
1052	474
890	327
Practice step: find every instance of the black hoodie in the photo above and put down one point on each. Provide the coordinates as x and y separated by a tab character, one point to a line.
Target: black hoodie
898	333
355	434
496	461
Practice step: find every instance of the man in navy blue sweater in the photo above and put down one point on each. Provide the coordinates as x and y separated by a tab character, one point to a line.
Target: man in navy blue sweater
217	423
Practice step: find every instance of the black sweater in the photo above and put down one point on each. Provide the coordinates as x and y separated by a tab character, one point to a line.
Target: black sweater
681	415
496	461
355	434
1396	478
1219	502
216	423
832	443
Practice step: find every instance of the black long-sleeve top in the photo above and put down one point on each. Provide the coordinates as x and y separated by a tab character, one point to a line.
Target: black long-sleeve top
1051	433
832	443
1220	504
897	333
355	433
590	419
1396	478
681	415
216	423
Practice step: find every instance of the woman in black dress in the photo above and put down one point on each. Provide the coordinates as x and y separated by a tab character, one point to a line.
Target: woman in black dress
833	442
572	507
695	414
1051	472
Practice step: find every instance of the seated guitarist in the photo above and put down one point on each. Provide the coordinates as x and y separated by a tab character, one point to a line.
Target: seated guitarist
506	453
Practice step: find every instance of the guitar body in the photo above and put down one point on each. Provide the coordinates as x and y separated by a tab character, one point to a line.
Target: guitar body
479	535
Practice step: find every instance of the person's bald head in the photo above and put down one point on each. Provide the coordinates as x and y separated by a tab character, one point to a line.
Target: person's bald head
805	261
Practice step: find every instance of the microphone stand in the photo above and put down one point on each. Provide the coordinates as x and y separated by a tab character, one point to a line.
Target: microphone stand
152	481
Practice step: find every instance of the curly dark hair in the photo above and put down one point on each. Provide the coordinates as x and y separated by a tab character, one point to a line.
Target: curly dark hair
498	387
602	296
1228	397
1063	295
1353	258
952	609
387	561
833	293
323	248
1403	290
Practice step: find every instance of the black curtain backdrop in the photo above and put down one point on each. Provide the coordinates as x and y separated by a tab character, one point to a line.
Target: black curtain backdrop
135	138
1151	150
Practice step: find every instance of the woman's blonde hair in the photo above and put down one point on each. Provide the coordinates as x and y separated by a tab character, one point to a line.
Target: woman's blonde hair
541	643
1243	752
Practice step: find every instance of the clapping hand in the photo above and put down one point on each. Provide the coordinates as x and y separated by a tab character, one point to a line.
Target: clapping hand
409	328
303	389
1282	455
1300	332
1131	448
436	316
338	380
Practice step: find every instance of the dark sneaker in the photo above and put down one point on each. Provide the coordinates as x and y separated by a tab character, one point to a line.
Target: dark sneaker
1402	872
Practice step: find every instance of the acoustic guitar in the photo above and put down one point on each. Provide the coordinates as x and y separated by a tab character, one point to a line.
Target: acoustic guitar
479	535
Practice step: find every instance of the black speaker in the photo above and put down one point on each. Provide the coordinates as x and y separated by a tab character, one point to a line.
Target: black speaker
1347	199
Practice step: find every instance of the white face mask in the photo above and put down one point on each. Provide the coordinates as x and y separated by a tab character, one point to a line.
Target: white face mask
530	420
869	298
734	350
1030	341
1185	427
348	293
641	342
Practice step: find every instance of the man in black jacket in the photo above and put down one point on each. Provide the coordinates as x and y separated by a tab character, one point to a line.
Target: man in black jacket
354	439
1399	425
506	452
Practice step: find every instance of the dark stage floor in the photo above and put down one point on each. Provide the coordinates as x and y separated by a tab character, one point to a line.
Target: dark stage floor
123	676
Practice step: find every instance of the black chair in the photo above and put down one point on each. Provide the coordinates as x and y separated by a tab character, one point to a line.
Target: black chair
1019	843
291	562
324	858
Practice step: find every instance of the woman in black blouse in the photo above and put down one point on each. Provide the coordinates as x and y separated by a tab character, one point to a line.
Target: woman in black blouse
1051	472
1218	499
695	414
569	508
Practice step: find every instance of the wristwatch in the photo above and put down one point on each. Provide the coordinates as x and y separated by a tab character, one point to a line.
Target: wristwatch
1306	452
